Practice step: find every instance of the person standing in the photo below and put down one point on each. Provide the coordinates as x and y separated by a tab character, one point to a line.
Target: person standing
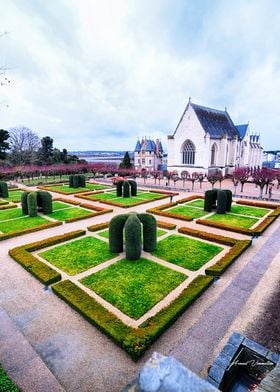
270	191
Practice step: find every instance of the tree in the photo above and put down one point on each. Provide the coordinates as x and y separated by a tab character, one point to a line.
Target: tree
184	175
4	145
24	144
262	177
45	153
175	177
126	163
241	174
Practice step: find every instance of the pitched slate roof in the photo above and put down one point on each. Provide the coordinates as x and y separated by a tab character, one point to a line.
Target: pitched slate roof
138	146
148	145
242	129
216	123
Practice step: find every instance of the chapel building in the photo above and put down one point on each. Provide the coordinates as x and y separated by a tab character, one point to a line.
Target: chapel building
206	139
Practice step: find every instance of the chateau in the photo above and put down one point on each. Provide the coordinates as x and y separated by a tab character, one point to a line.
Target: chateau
148	154
206	139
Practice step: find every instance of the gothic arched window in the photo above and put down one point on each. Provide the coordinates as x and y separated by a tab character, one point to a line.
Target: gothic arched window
213	154
188	153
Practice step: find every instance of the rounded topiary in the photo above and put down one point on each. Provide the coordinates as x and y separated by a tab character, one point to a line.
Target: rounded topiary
4	189
229	199
75	181
116	233
149	231
119	188
221	202
44	201
24	206
82	180
126	189
71	181
133	245
32	203
133	185
210	199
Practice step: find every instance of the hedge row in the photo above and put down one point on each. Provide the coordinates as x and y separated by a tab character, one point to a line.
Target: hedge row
190	198
95	208
78	218
3	202
29	230
7	206
208	236
86	195
115	203
168	193
47	188
262	204
98	226
37	268
221	265
166	225
63	200
134	341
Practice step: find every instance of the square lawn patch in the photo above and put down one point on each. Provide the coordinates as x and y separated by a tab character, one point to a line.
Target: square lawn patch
11	213
66	189
14	196
196	203
256	212
233	220
134	287
59	205
141	197
68	213
189	212
79	255
105	233
22	223
186	252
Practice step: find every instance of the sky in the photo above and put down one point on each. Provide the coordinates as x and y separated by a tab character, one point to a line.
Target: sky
98	74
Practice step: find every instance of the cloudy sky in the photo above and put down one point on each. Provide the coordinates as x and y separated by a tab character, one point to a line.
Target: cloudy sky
97	74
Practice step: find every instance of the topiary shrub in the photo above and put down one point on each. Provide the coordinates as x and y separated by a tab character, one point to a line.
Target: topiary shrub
149	231
71	181
132	229
4	189
133	185
119	189
44	201
221	202
24	206
229	199
210	199
126	189
75	181
32	203
82	180
116	233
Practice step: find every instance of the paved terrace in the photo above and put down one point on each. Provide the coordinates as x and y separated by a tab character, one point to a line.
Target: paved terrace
47	346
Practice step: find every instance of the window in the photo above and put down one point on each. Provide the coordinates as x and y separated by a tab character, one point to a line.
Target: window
213	154
150	161
139	161
143	161
188	153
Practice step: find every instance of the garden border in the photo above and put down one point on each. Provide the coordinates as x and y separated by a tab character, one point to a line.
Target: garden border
47	188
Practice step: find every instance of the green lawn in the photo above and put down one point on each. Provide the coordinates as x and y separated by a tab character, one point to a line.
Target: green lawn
68	213
196	203
14	196
22	224
10	213
59	205
189	212
134	287
256	212
105	233
186	252
66	189
126	201
6	384
79	255
233	220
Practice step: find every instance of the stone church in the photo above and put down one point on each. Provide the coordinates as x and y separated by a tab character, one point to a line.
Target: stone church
206	139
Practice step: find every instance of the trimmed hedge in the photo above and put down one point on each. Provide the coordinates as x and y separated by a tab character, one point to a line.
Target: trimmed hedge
221	201
262	204
24	205
98	226
71	181
29	230
229	199
82	180
4	189
119	188
133	186
126	189
7	206
218	225
134	341
149	232
76	181
133	244
32	204
74	202
116	233
210	199
166	225
208	236
44	200
221	265
37	268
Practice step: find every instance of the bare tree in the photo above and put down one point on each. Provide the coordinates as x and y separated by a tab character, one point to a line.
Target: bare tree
24	144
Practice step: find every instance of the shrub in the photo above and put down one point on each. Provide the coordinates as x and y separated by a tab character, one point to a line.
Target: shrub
32	203
210	199
24	205
149	232
133	185
44	200
166	225
4	189
116	233
208	236
82	180
229	200
132	237
221	202
98	226
119	188
71	181
126	189
75	181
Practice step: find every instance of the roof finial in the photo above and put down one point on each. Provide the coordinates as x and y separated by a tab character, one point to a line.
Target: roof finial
190	99
225	108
